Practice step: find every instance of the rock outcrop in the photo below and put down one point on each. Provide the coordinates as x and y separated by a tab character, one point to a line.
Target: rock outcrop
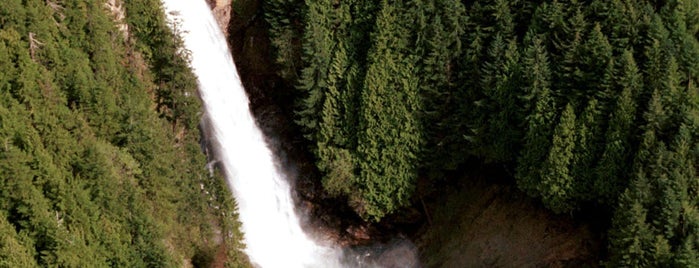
222	12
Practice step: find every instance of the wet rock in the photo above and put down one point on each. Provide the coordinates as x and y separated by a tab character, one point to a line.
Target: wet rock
359	233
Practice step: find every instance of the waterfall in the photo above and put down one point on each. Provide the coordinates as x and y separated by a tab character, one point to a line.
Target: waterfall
271	226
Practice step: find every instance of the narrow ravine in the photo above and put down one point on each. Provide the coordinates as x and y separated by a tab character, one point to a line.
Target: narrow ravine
271	225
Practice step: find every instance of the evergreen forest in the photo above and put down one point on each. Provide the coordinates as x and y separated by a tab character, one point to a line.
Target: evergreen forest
591	106
100	162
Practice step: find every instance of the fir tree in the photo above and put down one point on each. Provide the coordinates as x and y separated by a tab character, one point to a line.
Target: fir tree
389	138
317	53
587	150
498	130
556	184
537	141
285	29
631	238
612	165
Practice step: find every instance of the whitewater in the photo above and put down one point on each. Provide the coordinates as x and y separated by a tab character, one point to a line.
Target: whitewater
270	223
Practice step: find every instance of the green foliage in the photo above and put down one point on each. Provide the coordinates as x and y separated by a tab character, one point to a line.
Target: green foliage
631	240
439	41
90	174
175	86
556	186
586	103
617	150
537	139
389	137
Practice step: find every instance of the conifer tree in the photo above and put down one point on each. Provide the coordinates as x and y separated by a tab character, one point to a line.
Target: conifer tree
587	150
568	44
597	57
612	166
485	81
656	52
557	182
631	238
680	18
14	249
674	99
390	135
442	48
284	17
318	54
621	21
500	117
536	141
333	153
687	254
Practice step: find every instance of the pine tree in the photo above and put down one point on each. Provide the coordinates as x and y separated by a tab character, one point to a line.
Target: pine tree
621	20
630	237
557	182
568	44
674	98
390	135
537	139
499	133
656	51
283	17
678	16
612	166
442	48
334	158
597	56
687	255
318	55
504	19
587	150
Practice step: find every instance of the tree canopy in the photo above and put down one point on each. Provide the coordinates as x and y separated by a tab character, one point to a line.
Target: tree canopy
585	103
100	163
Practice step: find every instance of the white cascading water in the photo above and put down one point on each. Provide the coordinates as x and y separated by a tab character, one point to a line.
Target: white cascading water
271	226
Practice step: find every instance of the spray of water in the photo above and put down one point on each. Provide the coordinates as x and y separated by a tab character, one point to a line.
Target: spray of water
270	223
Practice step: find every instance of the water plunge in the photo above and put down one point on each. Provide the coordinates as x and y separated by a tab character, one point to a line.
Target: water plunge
270	223
273	234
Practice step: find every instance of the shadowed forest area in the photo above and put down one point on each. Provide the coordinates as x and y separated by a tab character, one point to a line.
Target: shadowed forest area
100	161
590	107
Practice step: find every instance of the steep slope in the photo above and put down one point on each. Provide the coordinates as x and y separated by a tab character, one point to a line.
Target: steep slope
100	163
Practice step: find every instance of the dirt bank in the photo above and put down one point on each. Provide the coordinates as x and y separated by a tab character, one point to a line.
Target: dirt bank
481	225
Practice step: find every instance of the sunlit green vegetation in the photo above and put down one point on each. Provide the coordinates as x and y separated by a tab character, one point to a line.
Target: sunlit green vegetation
100	163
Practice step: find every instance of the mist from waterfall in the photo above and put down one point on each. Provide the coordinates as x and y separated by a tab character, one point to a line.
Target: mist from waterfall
270	223
271	226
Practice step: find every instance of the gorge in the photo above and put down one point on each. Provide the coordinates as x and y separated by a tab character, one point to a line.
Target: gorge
270	222
349	133
271	226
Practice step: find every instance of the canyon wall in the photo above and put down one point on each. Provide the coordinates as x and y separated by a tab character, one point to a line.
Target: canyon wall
222	12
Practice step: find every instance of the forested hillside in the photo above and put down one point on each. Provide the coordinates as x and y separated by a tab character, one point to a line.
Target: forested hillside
589	105
100	163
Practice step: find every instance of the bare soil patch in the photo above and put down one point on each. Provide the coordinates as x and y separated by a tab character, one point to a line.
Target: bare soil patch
479	224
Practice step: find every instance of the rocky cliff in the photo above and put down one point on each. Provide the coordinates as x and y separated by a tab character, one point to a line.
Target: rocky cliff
222	12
